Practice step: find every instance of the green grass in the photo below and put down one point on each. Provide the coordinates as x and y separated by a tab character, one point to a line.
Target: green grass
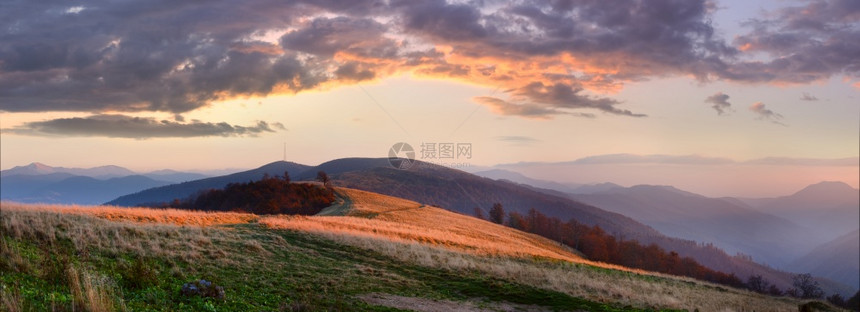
280	270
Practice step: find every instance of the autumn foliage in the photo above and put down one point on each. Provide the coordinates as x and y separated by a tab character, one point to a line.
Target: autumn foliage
271	195
598	245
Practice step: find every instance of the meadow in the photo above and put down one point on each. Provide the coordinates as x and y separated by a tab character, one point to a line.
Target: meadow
369	252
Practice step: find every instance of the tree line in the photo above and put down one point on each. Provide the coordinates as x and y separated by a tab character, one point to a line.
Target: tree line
270	195
598	245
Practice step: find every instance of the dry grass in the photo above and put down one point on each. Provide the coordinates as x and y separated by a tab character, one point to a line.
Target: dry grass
91	292
437	238
10	301
398	228
584	281
379	216
141	215
141	232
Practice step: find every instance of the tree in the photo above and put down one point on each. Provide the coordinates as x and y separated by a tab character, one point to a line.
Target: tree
323	178
758	284
853	303
497	213
806	287
775	291
287	176
516	220
837	300
479	213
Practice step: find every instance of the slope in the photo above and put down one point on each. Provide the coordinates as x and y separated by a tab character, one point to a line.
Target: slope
139	265
36	168
66	189
373	215
838	260
463	192
733	228
829	209
183	190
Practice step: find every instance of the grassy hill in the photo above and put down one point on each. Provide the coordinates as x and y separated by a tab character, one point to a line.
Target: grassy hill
368	252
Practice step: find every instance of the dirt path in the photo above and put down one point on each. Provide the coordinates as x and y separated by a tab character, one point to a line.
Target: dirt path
340	207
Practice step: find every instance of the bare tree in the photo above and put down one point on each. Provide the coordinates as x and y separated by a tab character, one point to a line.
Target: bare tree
323	178
807	287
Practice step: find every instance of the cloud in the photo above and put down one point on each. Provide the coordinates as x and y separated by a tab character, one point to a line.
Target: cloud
652	159
552	57
808	97
516	139
805	43
766	114
720	102
785	161
618	159
527	110
121	126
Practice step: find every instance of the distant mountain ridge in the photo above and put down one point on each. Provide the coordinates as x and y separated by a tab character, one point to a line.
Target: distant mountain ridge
183	190
734	228
829	209
36	168
64	188
838	260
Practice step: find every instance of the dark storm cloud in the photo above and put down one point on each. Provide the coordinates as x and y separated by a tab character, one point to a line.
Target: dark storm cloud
562	95
121	126
178	56
720	102
806	43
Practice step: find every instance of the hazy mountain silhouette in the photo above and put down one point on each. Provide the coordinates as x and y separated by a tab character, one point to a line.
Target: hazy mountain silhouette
829	209
838	260
16	186
95	172
174	176
183	190
61	188
595	188
516	177
734	228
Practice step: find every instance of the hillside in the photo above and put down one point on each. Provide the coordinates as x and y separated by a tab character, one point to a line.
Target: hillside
390	218
829	209
462	192
731	227
102	172
140	265
838	260
183	190
65	188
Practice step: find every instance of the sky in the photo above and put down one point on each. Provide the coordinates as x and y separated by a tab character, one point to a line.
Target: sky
753	98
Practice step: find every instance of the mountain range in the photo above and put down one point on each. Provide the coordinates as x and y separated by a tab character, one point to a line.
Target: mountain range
703	227
734	228
829	209
40	183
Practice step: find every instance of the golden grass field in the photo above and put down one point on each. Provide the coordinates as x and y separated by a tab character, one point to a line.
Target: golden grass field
377	216
406	231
